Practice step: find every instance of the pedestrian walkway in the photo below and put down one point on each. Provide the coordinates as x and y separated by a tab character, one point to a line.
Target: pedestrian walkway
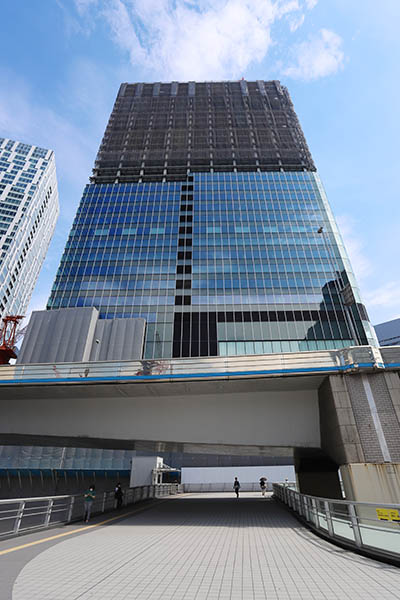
198	547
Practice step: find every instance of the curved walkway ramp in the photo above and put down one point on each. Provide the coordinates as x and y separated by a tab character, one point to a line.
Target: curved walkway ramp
198	547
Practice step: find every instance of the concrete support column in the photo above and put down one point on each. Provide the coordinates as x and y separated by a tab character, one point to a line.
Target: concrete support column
360	431
372	482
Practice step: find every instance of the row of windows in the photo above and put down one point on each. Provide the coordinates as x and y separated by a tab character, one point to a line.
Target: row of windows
148	189
248	279
154	300
162	271
266	285
151	282
102	303
206	204
249	269
233	249
166	234
235	253
173	188
246	213
273	297
243	218
203	195
139	234
68	266
168	239
247	282
261	299
264	252
270	347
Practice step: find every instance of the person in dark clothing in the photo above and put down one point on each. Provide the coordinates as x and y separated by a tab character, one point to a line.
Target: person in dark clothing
89	498
118	495
236	487
263	485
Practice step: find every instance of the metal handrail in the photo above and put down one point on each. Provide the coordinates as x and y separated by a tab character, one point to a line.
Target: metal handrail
193	487
24	517
359	525
32	498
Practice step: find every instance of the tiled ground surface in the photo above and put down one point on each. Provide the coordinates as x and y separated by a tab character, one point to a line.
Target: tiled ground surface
208	546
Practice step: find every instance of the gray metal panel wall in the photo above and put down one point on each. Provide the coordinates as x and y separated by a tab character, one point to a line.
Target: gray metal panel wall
63	335
388	333
118	339
70	334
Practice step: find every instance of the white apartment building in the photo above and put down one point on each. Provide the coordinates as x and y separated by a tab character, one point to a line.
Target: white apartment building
28	213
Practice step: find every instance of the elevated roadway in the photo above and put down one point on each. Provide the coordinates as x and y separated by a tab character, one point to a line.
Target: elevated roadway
324	410
253	404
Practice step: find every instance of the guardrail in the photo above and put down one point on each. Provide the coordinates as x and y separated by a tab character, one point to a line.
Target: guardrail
373	529
221	487
21	515
225	487
391	356
283	364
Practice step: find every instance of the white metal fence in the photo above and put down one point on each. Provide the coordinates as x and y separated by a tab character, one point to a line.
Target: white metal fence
219	487
371	528
227	487
25	514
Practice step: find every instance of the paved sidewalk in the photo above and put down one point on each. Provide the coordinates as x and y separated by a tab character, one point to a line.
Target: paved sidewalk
16	552
204	546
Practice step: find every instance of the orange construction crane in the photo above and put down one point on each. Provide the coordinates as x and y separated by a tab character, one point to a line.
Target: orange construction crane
8	332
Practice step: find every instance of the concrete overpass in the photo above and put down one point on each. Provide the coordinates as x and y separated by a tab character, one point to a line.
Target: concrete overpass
326	409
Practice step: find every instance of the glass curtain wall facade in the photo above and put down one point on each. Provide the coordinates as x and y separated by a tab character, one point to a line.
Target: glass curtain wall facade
28	215
206	217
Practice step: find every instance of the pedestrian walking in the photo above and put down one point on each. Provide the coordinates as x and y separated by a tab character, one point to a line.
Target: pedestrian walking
236	487
89	497
118	495
263	485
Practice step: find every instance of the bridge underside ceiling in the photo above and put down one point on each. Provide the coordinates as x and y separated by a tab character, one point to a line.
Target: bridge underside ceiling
253	417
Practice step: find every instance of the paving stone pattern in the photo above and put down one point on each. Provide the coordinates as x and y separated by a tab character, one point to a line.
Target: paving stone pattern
204	546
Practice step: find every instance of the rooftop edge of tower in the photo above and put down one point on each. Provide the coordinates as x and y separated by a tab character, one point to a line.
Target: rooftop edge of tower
157	87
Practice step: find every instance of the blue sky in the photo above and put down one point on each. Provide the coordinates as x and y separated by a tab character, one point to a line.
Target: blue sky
62	62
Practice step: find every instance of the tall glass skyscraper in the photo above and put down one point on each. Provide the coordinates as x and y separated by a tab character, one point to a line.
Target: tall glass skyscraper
28	215
205	215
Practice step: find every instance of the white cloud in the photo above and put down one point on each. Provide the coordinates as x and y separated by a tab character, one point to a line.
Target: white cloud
177	39
123	30
180	42
355	246
385	296
381	298
23	116
296	22
38	302
83	5
23	119
209	39
320	56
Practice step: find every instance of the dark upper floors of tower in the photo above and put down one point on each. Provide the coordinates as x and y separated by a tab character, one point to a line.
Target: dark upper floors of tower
163	131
